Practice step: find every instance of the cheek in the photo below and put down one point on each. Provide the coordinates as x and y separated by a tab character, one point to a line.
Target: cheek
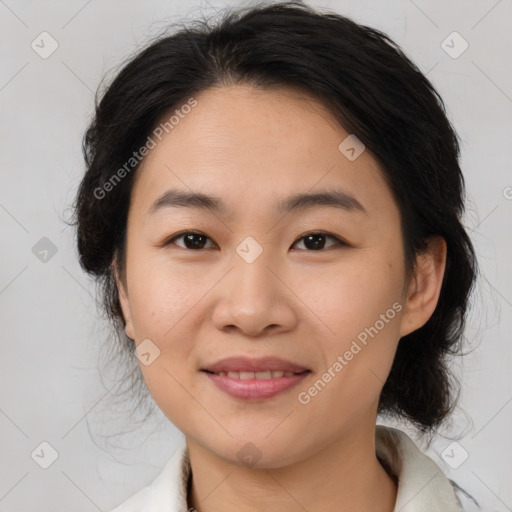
169	384
162	295
361	305
162	303
353	295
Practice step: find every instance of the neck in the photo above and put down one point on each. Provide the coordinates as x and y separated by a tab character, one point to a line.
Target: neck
343	476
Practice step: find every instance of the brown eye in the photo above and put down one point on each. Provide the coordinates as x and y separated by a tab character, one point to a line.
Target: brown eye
316	241
191	240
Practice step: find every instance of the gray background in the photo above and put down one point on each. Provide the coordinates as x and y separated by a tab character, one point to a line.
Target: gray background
50	329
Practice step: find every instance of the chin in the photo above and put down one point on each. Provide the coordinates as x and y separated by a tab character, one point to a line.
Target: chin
257	451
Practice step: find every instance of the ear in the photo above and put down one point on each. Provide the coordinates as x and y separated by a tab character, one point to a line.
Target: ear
123	299
425	286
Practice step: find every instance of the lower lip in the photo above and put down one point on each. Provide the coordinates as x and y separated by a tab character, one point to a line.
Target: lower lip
255	389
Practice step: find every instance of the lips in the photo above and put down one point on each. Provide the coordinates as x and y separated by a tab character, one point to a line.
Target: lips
255	379
255	375
247	368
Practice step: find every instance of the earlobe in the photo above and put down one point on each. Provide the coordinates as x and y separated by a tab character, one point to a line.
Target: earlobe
123	300
425	286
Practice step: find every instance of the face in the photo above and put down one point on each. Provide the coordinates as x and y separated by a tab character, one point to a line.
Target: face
318	285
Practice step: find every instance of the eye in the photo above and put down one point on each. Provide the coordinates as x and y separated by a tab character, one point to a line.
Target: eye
316	241
195	240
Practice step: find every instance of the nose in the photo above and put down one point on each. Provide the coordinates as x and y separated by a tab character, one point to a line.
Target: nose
254	299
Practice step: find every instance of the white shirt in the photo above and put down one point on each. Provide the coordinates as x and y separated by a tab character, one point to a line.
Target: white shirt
422	486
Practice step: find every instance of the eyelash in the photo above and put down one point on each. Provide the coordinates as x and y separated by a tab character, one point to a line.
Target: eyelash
339	241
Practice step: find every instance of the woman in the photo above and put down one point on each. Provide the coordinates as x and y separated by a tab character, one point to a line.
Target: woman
273	206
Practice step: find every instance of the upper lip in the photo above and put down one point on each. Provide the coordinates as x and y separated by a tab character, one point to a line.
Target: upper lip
248	364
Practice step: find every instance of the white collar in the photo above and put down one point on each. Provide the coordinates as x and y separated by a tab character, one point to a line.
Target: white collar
422	486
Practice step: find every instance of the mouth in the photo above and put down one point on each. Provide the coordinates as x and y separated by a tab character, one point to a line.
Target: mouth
264	375
255	379
263	366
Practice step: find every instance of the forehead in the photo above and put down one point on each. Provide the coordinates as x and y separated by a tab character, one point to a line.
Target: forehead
254	148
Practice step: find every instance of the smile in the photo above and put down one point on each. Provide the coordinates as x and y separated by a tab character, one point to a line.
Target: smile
255	386
255	375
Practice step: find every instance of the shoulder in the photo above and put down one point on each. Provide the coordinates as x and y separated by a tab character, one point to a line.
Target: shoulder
466	502
167	492
422	485
135	503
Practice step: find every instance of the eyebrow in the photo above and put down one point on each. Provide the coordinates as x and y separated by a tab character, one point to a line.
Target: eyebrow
304	201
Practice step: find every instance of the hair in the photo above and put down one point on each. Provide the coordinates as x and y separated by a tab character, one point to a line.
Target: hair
372	89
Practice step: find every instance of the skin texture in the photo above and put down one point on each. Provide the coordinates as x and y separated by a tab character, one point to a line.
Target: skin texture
253	147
